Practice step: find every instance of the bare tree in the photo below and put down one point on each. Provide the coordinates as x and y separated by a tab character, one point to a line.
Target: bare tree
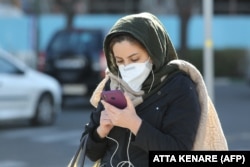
68	8
185	10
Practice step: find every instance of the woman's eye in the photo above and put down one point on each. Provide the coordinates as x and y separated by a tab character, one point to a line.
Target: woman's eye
134	60
119	61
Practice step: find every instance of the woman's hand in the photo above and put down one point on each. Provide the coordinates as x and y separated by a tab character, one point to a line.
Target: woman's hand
126	118
105	125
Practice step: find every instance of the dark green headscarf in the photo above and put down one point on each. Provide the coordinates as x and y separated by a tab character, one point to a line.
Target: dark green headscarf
150	32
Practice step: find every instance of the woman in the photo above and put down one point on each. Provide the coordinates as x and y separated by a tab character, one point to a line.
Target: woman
167	104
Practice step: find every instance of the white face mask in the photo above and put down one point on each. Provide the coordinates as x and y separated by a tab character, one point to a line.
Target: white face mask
135	74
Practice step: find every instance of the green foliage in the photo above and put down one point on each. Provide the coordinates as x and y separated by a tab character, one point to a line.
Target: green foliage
227	62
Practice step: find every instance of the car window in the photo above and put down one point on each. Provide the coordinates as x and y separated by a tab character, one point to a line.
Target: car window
7	67
59	43
89	41
77	42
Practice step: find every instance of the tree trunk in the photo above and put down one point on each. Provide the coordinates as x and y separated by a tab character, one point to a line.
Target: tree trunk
184	35
184	11
67	7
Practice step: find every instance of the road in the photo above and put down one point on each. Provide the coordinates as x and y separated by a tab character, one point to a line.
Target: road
24	146
232	102
52	146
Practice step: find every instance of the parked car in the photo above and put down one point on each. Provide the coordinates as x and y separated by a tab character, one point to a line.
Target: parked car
26	93
74	57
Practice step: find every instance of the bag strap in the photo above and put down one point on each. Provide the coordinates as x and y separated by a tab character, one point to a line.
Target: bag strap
84	145
81	151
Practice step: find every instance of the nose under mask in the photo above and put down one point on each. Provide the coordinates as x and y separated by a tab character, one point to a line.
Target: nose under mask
135	74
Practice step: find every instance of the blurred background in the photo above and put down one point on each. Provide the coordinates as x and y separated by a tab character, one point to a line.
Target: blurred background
62	39
34	22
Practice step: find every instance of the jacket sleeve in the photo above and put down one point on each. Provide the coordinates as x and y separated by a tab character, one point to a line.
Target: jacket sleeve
180	119
96	146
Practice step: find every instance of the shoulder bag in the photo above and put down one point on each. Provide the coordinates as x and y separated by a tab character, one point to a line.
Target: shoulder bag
79	157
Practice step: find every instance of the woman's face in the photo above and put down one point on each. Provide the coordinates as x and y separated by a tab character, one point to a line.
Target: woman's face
127	52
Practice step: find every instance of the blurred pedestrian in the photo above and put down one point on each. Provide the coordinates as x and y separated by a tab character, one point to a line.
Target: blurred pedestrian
168	107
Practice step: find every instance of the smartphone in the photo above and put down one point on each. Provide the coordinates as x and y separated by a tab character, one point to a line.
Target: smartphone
115	98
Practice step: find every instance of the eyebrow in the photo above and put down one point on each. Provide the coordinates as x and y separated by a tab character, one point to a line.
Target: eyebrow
133	54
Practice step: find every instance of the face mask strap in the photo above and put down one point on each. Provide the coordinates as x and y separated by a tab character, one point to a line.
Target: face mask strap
119	83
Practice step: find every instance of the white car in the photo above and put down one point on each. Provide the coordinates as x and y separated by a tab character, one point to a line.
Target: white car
26	93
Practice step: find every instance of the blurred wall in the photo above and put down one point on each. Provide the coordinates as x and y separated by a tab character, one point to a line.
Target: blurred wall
19	33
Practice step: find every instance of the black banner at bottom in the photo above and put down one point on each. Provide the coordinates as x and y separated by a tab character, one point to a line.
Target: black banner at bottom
199	158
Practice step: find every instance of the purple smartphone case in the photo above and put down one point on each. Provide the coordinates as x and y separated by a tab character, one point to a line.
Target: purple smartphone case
115	98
